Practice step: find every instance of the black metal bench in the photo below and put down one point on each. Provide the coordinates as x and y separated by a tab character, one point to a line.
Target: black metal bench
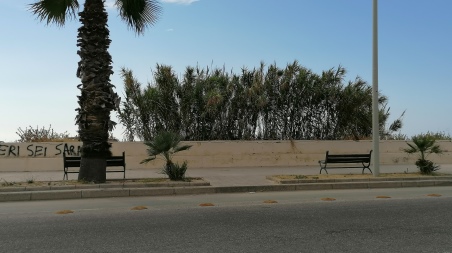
112	161
346	160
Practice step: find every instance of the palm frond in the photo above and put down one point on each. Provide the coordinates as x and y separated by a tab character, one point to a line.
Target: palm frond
165	144
55	11
413	149
139	14
396	125
436	149
147	160
152	149
181	148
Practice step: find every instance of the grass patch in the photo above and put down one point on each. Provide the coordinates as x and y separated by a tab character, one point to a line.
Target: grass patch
151	180
159	180
6	183
30	180
383	197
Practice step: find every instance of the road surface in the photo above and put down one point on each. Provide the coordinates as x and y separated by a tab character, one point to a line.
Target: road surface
379	220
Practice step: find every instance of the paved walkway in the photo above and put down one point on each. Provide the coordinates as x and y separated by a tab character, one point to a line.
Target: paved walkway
218	177
222	180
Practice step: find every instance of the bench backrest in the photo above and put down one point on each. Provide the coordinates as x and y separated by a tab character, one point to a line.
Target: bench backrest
71	161
74	161
348	158
116	160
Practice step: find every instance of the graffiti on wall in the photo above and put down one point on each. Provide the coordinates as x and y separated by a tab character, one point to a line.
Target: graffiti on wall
39	150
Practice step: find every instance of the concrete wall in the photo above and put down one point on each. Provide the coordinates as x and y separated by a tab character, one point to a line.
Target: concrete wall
213	154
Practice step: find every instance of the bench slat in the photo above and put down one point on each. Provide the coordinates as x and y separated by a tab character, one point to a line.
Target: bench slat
347	160
350	155
73	163
115	163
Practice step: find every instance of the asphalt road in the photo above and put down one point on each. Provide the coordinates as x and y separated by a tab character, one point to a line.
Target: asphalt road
356	221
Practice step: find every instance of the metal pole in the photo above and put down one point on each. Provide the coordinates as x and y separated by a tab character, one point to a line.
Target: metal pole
375	111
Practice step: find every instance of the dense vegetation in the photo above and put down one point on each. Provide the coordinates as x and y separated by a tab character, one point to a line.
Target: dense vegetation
266	103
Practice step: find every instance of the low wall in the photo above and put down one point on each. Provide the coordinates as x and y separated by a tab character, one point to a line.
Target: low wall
47	156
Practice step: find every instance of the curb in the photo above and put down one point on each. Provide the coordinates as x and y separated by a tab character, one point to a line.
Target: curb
103	186
349	180
127	191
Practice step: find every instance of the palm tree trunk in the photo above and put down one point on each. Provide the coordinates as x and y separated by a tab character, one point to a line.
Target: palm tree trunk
93	169
97	98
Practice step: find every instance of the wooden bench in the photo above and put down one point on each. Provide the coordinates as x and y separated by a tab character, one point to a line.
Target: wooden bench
346	160
112	161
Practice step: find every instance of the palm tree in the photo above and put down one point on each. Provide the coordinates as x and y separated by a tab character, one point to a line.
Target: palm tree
166	144
97	97
425	145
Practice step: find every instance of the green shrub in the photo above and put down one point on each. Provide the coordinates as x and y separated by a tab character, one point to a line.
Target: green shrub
424	144
37	134
440	136
166	144
174	171
426	166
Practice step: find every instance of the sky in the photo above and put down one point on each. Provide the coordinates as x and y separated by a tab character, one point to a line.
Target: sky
38	62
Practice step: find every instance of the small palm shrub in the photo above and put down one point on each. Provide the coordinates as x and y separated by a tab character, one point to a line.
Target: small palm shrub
426	166
174	171
166	144
424	144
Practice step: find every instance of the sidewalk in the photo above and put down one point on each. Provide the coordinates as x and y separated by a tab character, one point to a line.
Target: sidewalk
218	177
222	180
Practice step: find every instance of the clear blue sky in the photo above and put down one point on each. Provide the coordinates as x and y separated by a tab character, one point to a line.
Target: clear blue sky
38	62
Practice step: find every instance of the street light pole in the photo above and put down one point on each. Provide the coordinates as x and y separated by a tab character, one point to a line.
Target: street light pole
375	110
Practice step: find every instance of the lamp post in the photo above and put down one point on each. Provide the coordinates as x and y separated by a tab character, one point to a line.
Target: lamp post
375	111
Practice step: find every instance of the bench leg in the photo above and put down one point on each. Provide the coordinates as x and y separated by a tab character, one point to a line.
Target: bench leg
322	167
367	167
